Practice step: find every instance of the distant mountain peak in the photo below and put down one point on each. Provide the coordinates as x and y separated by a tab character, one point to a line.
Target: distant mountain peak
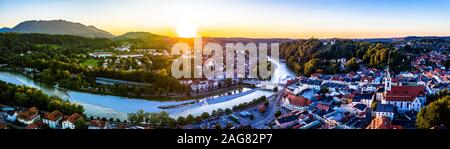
140	35
59	27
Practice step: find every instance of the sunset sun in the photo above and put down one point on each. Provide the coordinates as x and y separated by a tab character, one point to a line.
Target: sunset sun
186	30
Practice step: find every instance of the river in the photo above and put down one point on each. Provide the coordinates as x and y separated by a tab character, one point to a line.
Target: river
108	106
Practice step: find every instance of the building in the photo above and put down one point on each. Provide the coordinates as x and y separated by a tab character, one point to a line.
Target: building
404	98
380	123
4	108
29	116
69	123
37	125
385	110
363	99
97	124
360	109
131	55
288	120
101	54
293	102
314	84
11	116
53	119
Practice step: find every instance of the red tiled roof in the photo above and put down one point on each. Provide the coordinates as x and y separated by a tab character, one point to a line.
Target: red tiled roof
299	100
74	117
405	93
323	107
55	115
380	123
28	114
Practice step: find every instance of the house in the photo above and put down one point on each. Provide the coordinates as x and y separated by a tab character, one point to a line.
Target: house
380	123
69	123
287	120
293	102
314	84
37	125
348	98
323	106
363	99
360	109
53	119
385	110
29	116
97	124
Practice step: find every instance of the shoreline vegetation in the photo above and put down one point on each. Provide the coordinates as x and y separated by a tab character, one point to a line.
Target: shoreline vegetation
162	119
150	98
24	96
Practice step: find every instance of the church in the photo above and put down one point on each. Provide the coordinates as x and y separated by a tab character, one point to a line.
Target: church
404	98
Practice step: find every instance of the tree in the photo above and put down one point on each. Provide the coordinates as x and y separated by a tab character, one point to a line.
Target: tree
324	90
352	65
181	120
228	82
80	123
228	111
229	125
190	118
266	103
311	67
374	105
278	114
205	115
437	113
217	126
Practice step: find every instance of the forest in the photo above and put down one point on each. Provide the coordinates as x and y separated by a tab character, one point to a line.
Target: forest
310	56
57	59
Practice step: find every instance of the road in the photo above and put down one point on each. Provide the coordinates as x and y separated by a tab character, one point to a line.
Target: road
271	110
260	120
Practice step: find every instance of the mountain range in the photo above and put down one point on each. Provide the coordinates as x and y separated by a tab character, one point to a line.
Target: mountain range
58	27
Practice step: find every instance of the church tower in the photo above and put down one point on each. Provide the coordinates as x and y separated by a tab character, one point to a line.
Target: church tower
387	81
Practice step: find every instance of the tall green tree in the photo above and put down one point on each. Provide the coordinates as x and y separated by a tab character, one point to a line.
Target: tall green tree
437	113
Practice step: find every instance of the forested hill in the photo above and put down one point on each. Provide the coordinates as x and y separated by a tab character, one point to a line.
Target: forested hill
59	59
315	56
58	27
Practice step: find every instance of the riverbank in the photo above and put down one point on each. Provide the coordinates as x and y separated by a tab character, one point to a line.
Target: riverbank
145	97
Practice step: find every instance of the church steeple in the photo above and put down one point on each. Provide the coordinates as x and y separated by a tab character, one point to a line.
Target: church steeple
387	81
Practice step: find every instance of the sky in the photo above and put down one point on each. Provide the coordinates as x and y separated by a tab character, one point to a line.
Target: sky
244	18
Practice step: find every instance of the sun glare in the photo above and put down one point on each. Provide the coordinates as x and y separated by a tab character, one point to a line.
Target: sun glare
186	30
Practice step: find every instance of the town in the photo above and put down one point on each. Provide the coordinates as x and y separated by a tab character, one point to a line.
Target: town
368	98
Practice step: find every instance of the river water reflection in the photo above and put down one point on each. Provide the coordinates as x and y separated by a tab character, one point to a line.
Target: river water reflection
108	106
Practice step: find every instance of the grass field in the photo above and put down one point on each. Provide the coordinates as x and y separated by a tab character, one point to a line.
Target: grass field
90	62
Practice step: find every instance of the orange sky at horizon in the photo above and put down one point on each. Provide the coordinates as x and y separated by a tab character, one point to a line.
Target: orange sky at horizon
244	18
